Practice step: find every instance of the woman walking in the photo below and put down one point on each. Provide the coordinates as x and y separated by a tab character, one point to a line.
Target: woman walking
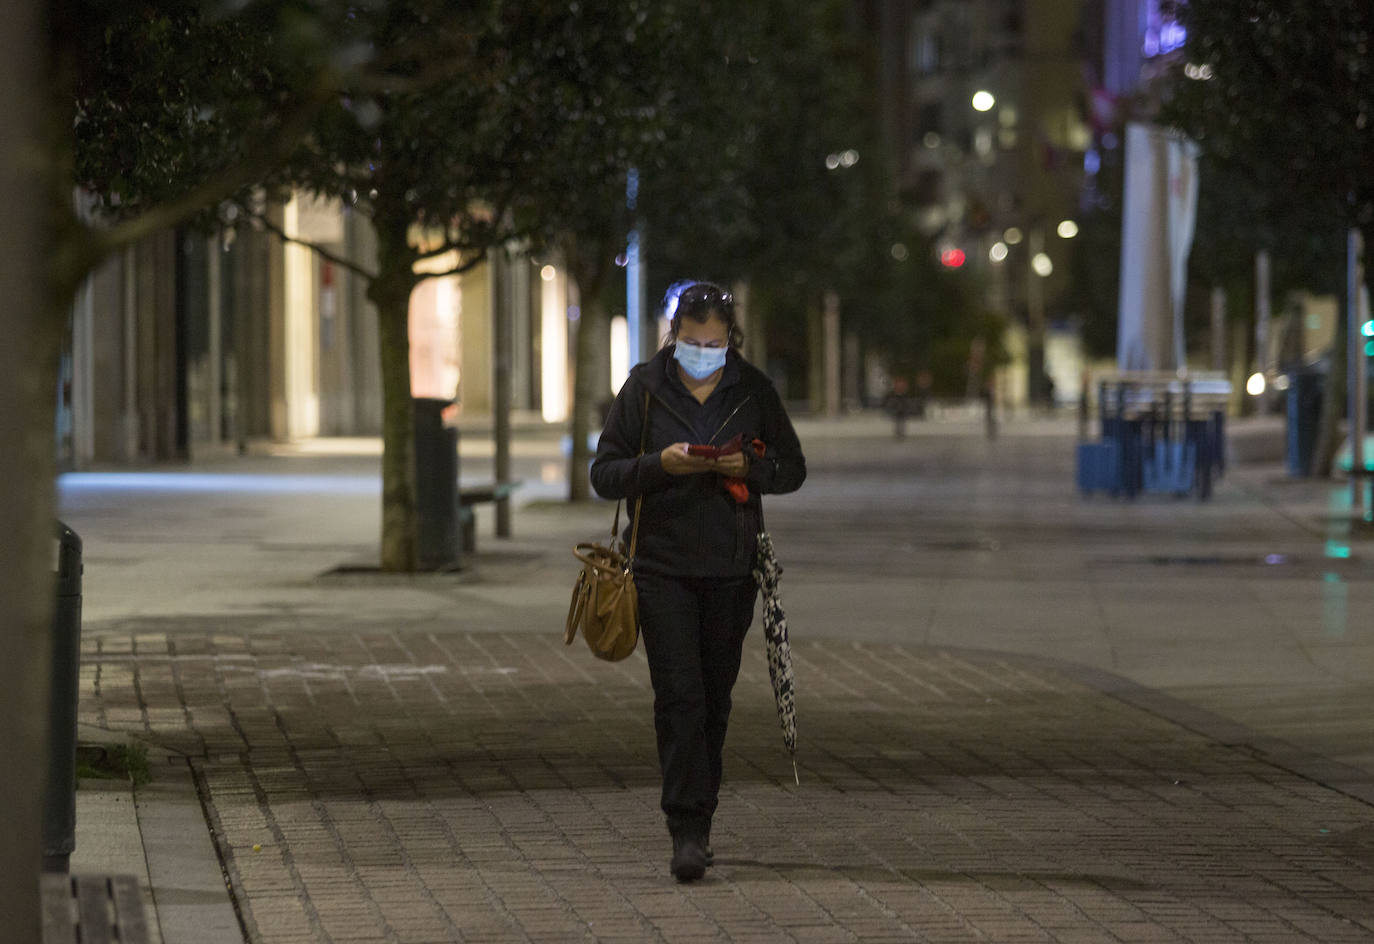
697	537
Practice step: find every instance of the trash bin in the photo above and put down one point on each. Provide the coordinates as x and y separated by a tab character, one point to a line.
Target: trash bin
1304	409
436	486
59	794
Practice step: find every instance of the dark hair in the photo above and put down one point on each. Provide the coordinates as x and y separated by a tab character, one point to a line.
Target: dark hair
698	301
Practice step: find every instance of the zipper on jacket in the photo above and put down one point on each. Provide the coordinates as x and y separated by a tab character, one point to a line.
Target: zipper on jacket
712	440
692	430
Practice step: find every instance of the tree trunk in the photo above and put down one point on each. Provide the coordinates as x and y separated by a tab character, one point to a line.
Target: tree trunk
27	384
390	292
589	273
587	389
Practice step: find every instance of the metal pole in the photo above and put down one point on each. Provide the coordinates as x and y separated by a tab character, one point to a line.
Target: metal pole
59	801
1355	360
634	275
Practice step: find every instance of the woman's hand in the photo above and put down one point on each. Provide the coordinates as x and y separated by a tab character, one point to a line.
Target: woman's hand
676	461
732	466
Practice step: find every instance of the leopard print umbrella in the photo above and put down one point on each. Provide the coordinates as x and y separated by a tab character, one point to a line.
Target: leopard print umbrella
767	572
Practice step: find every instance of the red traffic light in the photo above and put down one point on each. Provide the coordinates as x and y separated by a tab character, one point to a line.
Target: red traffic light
953	258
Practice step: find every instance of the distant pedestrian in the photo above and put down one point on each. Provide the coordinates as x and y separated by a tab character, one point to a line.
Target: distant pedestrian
1084	407
698	536
989	398
897	403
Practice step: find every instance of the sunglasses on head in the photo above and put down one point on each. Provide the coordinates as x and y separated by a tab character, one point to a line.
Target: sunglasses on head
706	296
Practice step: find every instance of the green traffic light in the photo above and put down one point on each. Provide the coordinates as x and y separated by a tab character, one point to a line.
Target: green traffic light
1367	329
1369	348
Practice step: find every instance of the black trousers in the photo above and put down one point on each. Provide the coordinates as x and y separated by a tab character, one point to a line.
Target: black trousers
693	631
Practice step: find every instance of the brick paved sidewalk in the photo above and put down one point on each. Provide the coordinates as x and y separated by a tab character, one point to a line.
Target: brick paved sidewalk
414	788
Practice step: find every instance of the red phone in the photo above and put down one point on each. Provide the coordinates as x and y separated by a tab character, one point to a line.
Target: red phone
715	452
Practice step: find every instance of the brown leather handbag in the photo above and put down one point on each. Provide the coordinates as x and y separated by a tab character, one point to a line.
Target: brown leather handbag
605	604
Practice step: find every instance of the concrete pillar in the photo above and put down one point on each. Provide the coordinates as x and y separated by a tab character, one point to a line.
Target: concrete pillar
853	372
1218	328
475	345
1262	309
833	354
751	319
130	431
1035	322
815	351
555	378
1357	381
156	331
279	427
520	341
365	348
300	354
503	353
257	341
83	374
214	368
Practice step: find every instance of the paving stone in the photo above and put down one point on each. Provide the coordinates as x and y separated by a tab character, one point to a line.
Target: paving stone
944	796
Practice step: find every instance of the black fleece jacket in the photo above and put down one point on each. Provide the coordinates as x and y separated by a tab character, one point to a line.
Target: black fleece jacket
690	525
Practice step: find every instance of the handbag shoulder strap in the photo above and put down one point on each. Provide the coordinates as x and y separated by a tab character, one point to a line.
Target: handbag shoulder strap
639	502
615	525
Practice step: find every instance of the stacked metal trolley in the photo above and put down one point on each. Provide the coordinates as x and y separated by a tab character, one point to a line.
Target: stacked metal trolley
1161	433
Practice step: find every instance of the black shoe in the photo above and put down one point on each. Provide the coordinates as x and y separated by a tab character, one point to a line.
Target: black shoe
707	851
689	859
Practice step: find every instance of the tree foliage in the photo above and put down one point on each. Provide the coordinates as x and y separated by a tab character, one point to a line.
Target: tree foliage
449	127
762	198
751	195
1286	98
1281	98
163	109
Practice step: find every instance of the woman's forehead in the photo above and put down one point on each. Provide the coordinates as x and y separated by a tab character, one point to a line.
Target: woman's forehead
713	326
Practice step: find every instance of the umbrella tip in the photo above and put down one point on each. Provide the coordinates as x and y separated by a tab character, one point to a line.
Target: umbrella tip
795	776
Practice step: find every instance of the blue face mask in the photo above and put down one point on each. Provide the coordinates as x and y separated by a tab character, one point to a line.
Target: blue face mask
699	362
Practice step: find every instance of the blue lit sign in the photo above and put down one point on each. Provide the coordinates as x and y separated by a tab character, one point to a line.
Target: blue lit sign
1162	35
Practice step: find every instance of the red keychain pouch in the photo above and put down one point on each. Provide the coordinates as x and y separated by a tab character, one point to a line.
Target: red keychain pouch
738	488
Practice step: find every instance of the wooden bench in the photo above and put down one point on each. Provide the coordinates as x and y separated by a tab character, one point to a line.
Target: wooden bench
93	909
497	493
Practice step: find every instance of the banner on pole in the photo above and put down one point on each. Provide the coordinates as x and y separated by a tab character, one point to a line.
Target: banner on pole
1158	217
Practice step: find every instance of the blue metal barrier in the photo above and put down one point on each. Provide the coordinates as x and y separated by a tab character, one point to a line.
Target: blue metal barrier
1159	435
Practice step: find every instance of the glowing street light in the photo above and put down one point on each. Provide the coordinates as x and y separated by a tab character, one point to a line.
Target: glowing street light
1042	265
1068	229
998	252
1255	385
983	100
1012	236
845	158
548	273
